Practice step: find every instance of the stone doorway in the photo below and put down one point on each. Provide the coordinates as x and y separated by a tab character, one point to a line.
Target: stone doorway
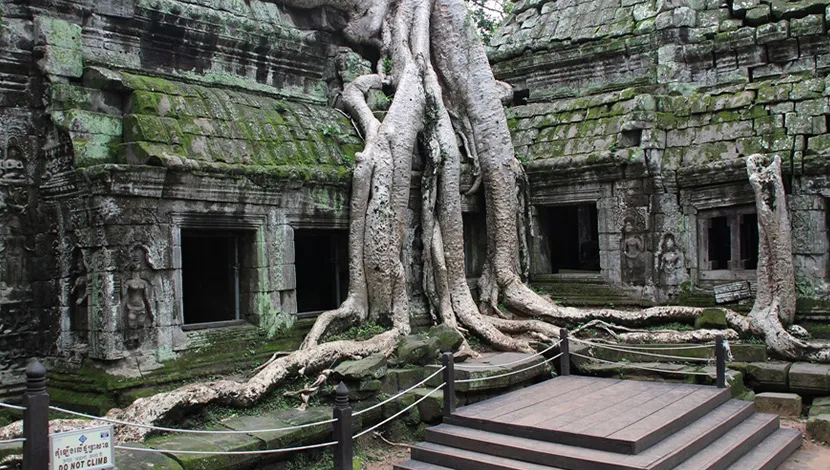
211	276
322	267
573	234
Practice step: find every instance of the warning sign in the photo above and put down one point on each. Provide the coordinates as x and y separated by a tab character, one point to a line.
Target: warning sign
87	449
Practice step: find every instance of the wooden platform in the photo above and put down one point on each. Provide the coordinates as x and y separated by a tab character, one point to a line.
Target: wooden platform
583	423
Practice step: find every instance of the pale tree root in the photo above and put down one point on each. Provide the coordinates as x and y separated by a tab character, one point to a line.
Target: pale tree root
169	406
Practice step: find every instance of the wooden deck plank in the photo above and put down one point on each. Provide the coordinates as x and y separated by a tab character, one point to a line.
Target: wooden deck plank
663	418
553	412
603	403
613	419
526	396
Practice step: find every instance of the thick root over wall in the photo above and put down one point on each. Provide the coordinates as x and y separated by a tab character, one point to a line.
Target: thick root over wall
445	94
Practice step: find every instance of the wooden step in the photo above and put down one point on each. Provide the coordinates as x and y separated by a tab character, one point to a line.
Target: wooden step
460	459
661	456
417	465
604	414
771	452
734	444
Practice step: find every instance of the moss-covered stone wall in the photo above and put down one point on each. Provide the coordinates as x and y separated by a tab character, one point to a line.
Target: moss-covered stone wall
647	108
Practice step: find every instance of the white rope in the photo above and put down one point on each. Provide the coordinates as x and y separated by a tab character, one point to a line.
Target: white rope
401	393
13	441
666	356
651	347
399	412
12	407
190	431
230	452
627	364
490	366
491	377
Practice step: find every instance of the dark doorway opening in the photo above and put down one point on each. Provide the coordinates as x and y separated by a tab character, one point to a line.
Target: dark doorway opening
749	241
574	237
475	243
210	276
322	267
720	243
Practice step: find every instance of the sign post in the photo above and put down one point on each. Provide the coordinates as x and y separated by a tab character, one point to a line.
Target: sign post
85	449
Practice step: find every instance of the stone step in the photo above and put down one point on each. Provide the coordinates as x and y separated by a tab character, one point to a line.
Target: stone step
417	465
664	455
771	452
733	445
463	459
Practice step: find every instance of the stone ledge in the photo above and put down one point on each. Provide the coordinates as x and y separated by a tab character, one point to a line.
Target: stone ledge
464	371
782	404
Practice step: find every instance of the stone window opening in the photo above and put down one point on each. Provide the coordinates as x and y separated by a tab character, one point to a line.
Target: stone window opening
216	264
728	239
322	269
573	234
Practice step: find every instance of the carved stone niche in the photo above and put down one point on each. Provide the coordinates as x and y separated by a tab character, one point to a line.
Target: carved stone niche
138	298
79	294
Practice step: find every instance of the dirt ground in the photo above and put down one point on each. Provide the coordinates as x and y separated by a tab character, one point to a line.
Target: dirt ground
811	455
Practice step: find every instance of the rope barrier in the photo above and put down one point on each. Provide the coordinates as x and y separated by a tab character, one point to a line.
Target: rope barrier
229	452
491	377
641	367
651	347
189	431
12	407
399	412
13	441
667	356
399	394
517	361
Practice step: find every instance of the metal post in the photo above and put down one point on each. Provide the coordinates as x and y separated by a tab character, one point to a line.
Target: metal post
720	361
448	362
565	349
344	450
36	418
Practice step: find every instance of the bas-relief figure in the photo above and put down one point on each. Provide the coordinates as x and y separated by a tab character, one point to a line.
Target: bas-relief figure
137	299
79	295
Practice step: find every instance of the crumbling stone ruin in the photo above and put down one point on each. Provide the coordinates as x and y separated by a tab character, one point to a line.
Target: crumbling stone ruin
174	166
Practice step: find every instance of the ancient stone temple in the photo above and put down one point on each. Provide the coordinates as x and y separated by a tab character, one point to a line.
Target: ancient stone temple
166	166
175	167
632	118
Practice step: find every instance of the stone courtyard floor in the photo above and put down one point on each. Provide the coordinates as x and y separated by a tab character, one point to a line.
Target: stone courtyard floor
811	455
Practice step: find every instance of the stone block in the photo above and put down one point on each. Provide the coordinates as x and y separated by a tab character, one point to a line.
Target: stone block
818	428
372	367
130	459
807	377
782	404
56	32
772	32
493	361
807	26
211	443
769	375
282	419
820	406
431	408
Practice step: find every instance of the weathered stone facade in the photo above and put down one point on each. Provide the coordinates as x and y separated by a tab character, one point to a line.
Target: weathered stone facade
152	148
645	108
141	135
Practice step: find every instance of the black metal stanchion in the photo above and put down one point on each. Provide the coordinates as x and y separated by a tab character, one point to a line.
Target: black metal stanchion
720	361
565	349
448	362
344	450
36	418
